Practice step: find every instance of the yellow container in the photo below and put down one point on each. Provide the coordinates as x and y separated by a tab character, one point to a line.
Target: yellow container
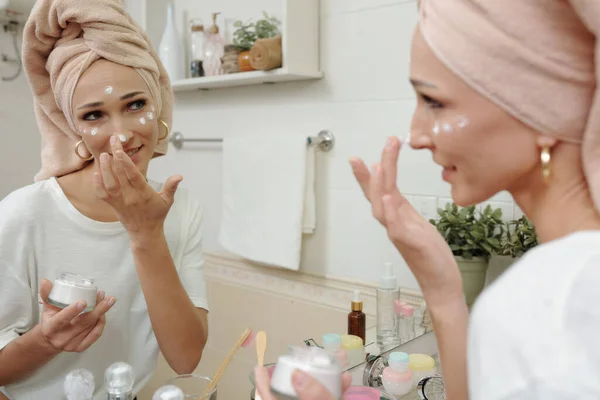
421	366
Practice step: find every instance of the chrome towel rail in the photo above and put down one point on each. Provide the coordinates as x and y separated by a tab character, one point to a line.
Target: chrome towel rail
325	140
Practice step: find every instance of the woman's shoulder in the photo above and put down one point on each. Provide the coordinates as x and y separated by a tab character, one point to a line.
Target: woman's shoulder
544	276
26	200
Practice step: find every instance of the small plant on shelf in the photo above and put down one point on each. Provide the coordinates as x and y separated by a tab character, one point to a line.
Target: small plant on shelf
248	32
244	36
267	27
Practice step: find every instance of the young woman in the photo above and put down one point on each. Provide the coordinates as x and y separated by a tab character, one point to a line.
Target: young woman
507	100
103	104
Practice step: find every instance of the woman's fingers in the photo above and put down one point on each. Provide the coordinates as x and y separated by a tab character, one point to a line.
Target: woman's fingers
346	381
308	388
262	383
111	183
362	175
389	164
133	174
118	166
92	336
376	192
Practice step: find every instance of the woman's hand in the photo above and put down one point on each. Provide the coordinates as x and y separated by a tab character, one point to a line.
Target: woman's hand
69	330
422	247
305	385
139	207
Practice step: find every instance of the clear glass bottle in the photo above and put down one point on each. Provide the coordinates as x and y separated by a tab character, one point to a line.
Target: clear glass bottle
119	380
406	325
214	49
387	323
197	41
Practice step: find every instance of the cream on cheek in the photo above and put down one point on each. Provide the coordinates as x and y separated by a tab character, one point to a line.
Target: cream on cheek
133	121
450	125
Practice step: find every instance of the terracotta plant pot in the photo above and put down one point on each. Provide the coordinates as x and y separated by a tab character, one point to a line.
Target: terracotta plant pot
473	275
244	61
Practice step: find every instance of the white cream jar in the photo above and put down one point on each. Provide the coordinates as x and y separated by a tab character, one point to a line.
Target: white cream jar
69	288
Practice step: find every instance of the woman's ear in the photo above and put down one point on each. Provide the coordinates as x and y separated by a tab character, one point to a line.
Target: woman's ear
545	141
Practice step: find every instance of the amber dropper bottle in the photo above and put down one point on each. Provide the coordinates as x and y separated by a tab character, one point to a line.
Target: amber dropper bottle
357	320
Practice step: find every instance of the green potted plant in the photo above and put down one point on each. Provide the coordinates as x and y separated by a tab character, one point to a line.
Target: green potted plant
519	237
248	33
473	237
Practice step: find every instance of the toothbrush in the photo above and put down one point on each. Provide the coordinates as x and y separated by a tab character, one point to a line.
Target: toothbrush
244	341
261	348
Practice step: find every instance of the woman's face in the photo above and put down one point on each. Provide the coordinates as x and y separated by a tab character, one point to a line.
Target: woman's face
482	149
111	99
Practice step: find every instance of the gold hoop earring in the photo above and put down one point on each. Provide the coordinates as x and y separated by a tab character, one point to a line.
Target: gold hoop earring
546	160
91	157
166	127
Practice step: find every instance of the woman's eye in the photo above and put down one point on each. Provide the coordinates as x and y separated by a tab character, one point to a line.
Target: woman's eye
432	103
137	105
92	116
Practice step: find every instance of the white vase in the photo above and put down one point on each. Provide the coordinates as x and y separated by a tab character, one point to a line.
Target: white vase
171	50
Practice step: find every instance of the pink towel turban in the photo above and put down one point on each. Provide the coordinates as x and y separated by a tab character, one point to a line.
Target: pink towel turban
535	59
62	38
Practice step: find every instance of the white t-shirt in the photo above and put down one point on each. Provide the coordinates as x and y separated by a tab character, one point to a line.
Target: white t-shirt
42	235
535	332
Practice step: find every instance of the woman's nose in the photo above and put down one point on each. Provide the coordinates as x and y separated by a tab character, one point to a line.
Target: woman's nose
124	136
420	137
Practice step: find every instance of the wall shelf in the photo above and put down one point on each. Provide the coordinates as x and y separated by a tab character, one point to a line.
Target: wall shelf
241	79
300	38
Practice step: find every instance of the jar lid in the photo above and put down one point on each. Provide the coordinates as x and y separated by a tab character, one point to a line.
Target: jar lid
331	338
399	361
421	362
76	280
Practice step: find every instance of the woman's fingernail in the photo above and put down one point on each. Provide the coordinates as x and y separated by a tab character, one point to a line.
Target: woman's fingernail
101	294
81	305
300	380
111	301
104	157
113	140
390	142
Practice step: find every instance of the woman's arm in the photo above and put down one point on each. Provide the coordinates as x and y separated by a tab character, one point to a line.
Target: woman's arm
450	324
23	356
65	330
429	258
181	329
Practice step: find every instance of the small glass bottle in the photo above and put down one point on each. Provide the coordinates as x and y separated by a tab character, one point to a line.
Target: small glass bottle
214	49
387	320
357	320
119	381
197	40
406	323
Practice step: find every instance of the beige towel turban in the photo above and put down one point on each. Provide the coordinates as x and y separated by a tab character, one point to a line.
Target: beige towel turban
62	38
534	58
